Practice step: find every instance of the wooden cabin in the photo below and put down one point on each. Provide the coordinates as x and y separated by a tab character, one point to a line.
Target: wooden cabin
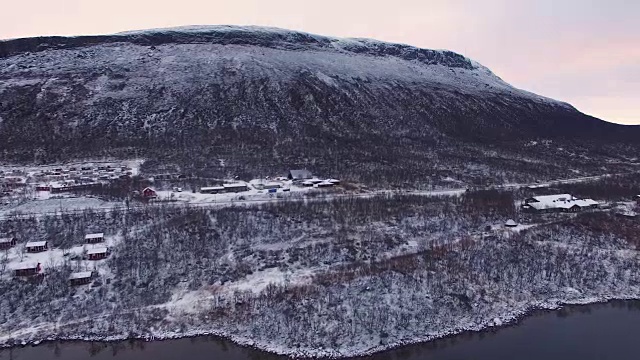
7	243
27	269
36	246
97	253
80	278
94	238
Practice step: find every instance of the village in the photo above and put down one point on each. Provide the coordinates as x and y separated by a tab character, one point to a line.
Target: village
28	260
39	187
49	189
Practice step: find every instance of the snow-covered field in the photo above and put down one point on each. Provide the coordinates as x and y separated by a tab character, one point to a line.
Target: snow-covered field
58	205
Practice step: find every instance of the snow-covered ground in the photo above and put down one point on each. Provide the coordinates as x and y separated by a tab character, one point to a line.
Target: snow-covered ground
50	205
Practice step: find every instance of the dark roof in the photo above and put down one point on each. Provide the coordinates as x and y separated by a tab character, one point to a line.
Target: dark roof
300	174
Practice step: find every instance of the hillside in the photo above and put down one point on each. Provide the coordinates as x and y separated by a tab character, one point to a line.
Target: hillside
244	100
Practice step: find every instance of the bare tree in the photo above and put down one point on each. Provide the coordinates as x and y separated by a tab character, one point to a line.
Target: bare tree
4	260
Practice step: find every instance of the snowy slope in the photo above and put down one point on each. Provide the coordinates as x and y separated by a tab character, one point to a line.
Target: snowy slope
261	98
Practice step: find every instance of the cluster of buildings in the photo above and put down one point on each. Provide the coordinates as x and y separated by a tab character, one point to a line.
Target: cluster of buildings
78	178
296	177
34	269
557	203
63	179
305	178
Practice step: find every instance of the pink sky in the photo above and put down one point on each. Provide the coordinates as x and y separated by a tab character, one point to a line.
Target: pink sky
585	52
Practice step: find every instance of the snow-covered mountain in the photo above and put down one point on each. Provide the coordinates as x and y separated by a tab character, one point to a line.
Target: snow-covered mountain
267	97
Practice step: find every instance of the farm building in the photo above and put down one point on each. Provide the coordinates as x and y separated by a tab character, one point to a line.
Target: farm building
235	187
94	238
97	253
27	269
557	203
149	193
212	190
36	246
299	175
7	243
81	278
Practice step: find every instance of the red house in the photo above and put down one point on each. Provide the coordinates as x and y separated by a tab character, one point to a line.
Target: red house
149	193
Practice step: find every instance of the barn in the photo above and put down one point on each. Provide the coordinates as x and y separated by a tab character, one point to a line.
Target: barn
97	253
27	269
36	246
94	238
299	175
80	278
7	243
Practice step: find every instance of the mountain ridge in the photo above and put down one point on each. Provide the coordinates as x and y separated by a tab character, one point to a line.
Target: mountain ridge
263	98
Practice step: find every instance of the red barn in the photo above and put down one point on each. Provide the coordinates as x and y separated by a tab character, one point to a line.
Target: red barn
149	193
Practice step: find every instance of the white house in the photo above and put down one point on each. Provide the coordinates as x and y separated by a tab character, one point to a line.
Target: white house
560	202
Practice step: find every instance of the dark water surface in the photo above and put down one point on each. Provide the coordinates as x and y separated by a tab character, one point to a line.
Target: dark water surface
592	332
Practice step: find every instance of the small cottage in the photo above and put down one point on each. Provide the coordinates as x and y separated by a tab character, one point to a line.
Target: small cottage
80	278
94	238
97	253
27	269
7	243
36	246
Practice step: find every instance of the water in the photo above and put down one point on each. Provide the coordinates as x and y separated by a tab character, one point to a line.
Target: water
593	332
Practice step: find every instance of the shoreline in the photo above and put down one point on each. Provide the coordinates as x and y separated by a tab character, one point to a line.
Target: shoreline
510	319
